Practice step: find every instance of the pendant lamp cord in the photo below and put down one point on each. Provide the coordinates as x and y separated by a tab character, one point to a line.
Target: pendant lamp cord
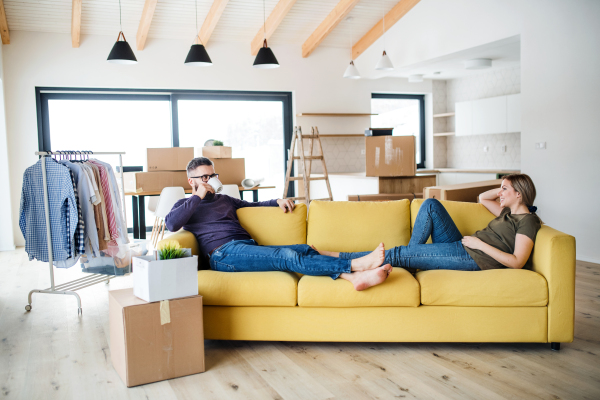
197	31
120	23
383	19
264	22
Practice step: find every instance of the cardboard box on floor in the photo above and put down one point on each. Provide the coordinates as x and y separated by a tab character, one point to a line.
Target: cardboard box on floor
390	156
232	171
150	344
216	152
136	182
169	158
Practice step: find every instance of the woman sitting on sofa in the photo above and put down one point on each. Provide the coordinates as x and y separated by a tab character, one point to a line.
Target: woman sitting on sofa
507	241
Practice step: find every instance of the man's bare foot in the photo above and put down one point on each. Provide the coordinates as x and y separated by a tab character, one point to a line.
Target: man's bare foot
366	279
325	252
370	261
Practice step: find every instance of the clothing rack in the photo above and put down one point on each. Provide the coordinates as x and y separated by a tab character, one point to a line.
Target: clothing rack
71	287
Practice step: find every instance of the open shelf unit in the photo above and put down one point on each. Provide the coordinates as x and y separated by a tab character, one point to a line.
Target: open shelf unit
334	115
450	114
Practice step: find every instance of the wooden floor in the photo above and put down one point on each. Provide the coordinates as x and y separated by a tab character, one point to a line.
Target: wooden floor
52	353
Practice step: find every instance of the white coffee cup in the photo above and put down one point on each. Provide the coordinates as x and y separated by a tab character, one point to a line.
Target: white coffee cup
216	184
250	183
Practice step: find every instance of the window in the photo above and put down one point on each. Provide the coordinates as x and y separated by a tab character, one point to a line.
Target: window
406	114
258	125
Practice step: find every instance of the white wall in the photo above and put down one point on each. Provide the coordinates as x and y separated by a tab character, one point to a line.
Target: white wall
46	59
560	82
6	233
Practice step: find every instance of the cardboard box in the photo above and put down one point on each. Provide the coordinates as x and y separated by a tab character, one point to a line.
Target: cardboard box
216	152
169	158
156	280
384	197
232	171
136	182
390	156
145	348
468	192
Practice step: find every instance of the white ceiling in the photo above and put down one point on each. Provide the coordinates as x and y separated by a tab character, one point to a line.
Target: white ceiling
174	19
504	53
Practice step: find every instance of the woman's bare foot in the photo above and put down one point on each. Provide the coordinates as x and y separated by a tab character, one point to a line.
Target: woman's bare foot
370	261
325	252
366	279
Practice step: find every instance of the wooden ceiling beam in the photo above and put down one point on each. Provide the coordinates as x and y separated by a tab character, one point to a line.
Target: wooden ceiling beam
211	20
393	16
275	18
327	26
3	25
75	23
145	22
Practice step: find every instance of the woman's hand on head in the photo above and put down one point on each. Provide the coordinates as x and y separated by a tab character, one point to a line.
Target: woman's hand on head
472	242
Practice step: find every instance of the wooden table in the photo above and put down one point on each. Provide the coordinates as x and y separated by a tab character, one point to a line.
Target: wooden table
139	207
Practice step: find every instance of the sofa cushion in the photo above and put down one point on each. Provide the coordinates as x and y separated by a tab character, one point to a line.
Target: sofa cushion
270	226
358	226
468	217
399	290
489	288
248	288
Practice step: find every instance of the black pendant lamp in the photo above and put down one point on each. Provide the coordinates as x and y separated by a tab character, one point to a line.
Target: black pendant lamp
121	52
265	57
197	56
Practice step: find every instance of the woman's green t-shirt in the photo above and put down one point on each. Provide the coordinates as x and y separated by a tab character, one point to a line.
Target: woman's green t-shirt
501	233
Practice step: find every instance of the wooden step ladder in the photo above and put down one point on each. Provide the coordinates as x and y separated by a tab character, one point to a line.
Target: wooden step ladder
306	164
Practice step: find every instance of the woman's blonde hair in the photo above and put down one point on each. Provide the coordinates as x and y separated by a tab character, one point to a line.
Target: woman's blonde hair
523	184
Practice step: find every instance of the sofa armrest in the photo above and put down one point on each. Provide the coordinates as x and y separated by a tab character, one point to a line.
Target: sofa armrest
554	258
187	240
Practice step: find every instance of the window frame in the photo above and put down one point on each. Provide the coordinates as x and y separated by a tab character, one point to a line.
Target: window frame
43	94
421	99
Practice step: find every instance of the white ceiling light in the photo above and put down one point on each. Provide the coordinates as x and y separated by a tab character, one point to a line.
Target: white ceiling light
351	71
415	78
384	64
478	63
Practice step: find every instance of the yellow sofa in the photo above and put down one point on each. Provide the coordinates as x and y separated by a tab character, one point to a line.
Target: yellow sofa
432	306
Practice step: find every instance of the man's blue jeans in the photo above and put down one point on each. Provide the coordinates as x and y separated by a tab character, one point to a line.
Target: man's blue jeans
247	256
446	251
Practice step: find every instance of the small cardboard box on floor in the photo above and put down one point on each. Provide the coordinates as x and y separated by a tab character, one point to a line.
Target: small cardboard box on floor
390	156
151	342
232	171
169	158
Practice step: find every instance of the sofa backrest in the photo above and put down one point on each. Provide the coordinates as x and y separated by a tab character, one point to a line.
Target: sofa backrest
270	226
468	217
358	226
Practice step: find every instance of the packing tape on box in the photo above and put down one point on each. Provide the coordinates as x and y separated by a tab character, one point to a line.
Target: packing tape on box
165	312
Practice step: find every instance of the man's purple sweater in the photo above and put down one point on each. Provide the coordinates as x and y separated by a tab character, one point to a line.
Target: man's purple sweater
213	220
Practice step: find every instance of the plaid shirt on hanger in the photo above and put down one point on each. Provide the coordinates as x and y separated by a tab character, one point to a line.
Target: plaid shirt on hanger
61	205
80	230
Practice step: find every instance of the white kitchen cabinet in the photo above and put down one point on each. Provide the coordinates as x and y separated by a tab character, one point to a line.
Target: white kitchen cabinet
500	114
489	115
513	113
463	118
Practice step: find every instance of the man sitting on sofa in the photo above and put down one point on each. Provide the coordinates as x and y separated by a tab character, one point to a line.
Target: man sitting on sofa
213	220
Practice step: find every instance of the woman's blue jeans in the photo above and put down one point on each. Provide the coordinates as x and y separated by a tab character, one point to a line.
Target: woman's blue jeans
446	251
247	256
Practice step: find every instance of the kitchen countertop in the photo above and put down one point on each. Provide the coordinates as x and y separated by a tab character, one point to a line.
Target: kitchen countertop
477	171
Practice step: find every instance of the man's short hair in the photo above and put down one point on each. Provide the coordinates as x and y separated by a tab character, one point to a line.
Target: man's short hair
196	162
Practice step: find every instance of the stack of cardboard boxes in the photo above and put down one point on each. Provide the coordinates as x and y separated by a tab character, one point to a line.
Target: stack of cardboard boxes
167	167
392	159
